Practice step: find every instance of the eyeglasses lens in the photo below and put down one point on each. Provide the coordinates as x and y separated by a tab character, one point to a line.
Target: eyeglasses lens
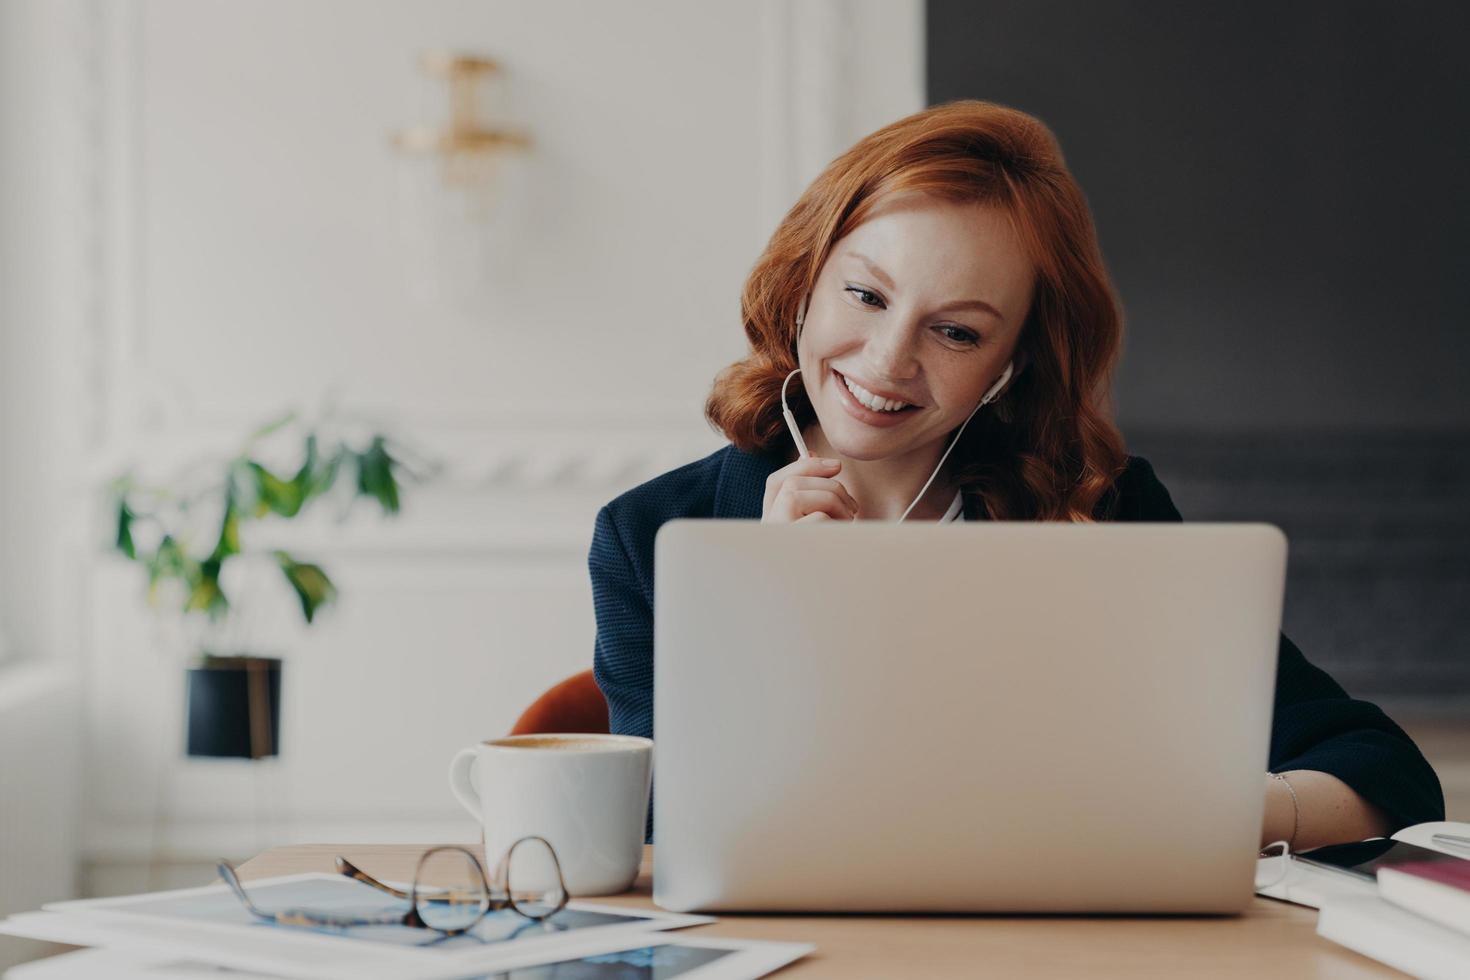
451	890
532	878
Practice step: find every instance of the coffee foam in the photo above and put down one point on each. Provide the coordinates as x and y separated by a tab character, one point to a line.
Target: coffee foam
561	743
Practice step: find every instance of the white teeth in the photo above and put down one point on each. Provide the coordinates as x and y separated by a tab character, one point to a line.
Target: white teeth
871	400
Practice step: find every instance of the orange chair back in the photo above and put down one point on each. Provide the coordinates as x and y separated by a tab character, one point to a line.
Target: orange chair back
574	705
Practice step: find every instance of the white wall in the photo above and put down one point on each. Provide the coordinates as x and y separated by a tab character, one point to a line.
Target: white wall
245	255
43	310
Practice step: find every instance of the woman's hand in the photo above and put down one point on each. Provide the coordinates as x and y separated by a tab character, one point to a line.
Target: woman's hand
805	491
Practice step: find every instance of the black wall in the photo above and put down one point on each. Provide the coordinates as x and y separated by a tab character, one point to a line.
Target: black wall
1282	193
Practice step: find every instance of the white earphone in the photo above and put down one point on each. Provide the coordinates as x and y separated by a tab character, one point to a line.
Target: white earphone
801	445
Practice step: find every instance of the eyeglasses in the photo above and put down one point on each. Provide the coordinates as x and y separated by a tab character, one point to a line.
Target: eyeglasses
450	892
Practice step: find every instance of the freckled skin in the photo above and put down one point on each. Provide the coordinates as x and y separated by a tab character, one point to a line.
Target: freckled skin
893	336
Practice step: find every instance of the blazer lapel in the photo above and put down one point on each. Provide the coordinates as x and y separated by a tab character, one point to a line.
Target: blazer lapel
741	488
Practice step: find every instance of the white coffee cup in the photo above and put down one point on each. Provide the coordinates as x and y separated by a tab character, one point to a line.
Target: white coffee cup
586	794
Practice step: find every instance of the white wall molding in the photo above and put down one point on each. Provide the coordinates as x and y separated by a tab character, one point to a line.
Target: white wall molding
832	72
119	347
48	248
601	461
189	838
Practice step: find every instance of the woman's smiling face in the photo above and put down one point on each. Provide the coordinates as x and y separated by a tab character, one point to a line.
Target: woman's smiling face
922	303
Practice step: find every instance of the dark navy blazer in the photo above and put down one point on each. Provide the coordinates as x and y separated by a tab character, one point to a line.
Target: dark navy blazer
1315	725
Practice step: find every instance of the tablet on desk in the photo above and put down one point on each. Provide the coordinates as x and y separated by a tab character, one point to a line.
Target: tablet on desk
996	717
1362	859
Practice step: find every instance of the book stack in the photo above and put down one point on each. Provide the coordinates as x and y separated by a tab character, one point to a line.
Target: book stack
1418	921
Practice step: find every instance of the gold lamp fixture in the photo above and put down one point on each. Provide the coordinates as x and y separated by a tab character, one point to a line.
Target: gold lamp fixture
469	148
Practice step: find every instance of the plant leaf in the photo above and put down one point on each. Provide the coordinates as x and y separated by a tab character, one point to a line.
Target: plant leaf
375	475
309	581
276	495
326	474
167	562
205	595
125	529
318	472
229	532
305	478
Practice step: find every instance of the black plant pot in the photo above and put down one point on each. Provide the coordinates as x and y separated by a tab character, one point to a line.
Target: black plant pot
234	707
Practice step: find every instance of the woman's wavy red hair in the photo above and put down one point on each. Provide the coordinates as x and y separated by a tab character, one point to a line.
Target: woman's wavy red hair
1050	449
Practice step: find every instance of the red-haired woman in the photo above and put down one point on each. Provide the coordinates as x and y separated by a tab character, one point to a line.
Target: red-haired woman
948	257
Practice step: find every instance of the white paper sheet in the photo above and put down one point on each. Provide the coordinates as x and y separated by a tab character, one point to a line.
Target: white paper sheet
594	954
209	923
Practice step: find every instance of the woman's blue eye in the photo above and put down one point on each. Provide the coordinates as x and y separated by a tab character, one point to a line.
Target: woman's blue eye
964	336
960	335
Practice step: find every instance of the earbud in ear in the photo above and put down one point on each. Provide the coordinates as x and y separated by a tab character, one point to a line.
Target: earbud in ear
791	419
999	383
785	410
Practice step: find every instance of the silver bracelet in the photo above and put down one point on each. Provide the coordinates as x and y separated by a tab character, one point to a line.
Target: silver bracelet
1296	811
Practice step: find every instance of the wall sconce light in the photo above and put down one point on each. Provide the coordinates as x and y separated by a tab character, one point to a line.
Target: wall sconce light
452	184
470	150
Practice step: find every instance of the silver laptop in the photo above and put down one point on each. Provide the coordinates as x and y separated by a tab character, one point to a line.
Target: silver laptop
988	717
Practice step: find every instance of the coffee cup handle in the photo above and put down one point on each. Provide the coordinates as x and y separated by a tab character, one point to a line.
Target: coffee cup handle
462	781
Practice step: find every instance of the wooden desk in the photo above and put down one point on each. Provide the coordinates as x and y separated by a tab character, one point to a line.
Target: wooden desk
1272	939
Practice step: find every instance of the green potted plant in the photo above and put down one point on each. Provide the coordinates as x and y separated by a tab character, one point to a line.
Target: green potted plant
185	535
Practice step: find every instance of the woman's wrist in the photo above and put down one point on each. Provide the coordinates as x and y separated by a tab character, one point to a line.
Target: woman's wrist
1282	818
1296	809
1322	808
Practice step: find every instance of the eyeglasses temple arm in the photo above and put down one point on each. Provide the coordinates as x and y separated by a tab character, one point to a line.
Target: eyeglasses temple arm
352	871
227	872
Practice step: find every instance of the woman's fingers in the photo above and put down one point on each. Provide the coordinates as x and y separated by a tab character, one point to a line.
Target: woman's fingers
801	466
805	502
805	487
830	486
